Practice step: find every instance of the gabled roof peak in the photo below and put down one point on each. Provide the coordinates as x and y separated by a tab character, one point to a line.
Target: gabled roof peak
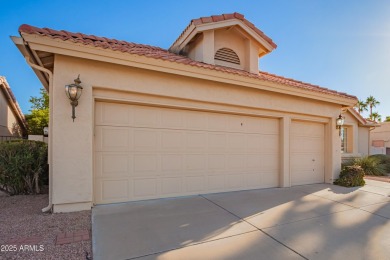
197	23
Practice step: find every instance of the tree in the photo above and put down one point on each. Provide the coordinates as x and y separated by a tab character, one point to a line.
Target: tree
361	106
387	119
39	116
371	102
376	117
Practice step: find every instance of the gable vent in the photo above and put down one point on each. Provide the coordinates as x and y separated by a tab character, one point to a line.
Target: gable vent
227	55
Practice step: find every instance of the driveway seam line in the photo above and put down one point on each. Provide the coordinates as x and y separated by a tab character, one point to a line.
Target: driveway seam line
199	243
255	228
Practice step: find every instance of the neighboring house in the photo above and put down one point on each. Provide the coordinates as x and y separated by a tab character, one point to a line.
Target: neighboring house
12	121
197	118
355	135
380	139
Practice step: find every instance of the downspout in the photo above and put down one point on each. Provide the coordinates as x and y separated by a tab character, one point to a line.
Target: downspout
50	74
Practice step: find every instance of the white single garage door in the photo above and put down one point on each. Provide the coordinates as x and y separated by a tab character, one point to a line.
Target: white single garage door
144	152
307	153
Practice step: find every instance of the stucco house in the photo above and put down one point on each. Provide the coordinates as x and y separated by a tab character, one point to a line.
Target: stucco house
355	135
197	118
12	121
380	139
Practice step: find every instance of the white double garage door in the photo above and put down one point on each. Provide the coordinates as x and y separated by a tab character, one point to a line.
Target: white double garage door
144	152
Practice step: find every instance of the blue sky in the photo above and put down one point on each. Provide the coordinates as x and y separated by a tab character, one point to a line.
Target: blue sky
341	45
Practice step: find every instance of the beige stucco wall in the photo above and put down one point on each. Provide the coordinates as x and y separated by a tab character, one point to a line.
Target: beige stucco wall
8	120
363	141
72	160
358	137
209	42
382	133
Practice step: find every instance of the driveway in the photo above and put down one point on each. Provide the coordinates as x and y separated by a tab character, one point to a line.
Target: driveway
305	222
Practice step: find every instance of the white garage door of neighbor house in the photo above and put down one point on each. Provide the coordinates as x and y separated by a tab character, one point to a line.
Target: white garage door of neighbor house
144	152
307	153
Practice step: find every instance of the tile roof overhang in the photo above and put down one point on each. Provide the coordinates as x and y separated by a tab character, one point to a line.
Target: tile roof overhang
82	43
220	21
13	104
362	121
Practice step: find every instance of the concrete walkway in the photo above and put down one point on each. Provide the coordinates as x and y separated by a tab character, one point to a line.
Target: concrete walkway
305	222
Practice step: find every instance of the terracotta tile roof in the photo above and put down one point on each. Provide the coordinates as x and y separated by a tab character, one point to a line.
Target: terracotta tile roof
162	54
224	17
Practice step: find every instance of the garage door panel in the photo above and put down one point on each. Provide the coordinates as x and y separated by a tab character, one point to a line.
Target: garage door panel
145	140
172	140
160	152
270	162
196	141
146	116
196	163
236	162
145	188
217	162
217	141
194	184
270	143
307	148
236	142
146	164
254	142
113	114
253	180
269	126
307	129
172	164
115	164
216	183
217	122
269	179
113	138
307	144
172	186
196	120
235	181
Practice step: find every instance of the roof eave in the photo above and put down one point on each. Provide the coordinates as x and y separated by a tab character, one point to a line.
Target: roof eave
67	48
26	51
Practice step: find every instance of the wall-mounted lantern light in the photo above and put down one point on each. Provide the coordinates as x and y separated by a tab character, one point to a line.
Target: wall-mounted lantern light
339	123
73	92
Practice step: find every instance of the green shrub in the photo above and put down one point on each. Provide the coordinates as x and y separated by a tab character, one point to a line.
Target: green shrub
371	165
351	176
384	160
23	166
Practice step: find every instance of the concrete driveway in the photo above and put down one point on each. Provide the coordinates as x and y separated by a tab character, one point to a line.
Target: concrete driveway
306	222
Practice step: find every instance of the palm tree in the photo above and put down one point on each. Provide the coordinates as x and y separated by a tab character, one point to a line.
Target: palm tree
361	106
372	102
376	117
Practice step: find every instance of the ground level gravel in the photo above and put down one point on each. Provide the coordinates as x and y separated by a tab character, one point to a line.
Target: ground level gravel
21	216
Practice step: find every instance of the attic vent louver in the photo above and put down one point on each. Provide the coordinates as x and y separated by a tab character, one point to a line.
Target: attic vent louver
227	55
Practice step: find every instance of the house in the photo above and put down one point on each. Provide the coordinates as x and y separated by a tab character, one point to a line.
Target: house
197	118
355	135
380	139
12	121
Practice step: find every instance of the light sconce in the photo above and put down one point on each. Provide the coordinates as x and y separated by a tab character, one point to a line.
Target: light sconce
339	123
73	92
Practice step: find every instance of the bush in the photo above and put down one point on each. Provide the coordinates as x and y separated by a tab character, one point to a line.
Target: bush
371	165
351	176
384	160
23	166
